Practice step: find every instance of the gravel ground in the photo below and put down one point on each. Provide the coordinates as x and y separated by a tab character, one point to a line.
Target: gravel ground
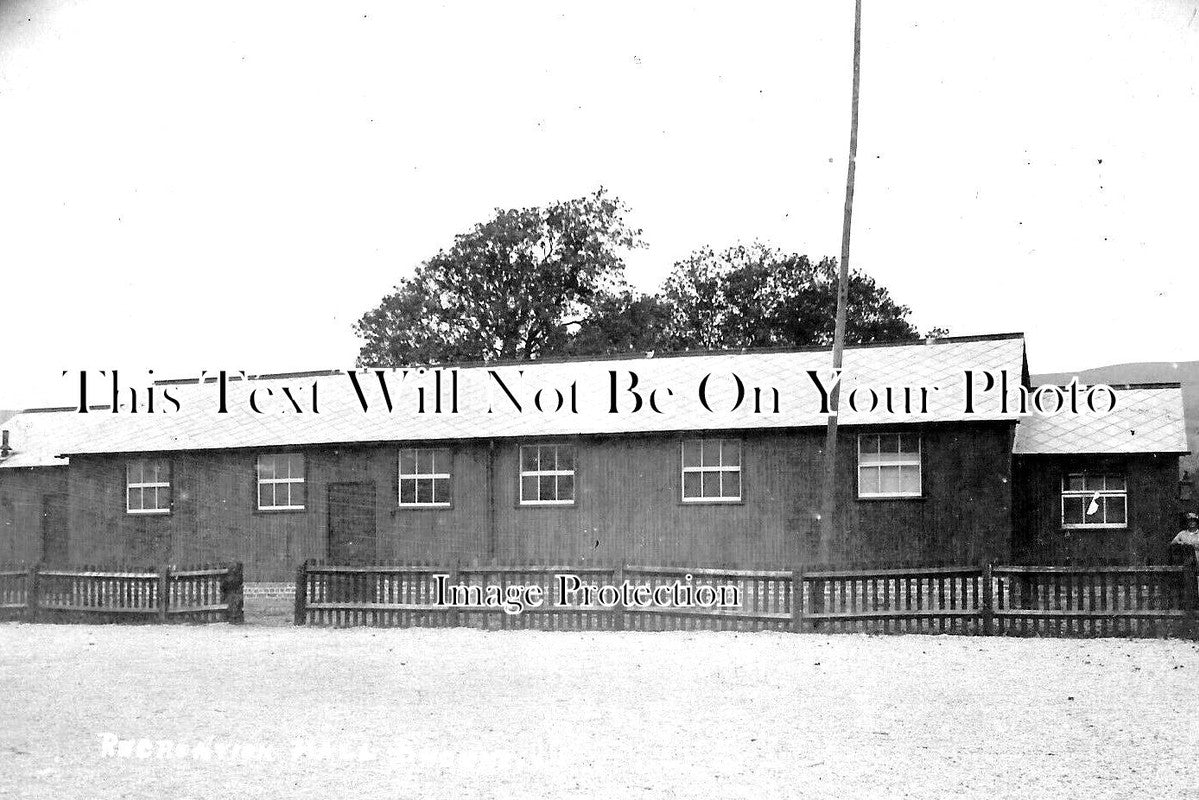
464	713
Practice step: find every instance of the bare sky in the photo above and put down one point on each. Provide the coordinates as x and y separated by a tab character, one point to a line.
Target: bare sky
232	184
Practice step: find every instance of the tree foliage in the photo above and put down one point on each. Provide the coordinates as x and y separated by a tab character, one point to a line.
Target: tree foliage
759	296
535	282
510	288
624	322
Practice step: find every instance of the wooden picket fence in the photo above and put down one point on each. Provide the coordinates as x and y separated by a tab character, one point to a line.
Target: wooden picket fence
1095	601
896	600
984	600
201	593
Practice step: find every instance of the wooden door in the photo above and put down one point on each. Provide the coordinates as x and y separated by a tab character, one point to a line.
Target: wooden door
351	523
54	529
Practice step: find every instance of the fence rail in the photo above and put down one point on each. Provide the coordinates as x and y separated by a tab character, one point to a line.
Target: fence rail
903	600
203	593
1097	601
986	599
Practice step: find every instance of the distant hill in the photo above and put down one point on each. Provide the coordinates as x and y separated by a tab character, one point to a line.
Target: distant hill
6	414
1184	372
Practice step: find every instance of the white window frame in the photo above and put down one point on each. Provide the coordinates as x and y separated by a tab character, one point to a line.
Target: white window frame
896	459
1089	494
543	473
720	468
277	480
144	484
419	476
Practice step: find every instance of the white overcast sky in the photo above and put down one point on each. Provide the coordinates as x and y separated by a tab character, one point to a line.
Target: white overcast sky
231	184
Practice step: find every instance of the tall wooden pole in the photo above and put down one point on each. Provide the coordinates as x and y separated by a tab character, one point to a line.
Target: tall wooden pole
828	502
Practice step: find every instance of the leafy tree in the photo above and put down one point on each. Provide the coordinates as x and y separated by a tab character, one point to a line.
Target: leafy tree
623	322
549	281
510	288
759	296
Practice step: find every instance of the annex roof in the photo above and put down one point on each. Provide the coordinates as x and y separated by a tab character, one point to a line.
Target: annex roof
1148	418
36	438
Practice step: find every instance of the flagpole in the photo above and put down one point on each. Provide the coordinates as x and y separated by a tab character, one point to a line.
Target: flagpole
828	503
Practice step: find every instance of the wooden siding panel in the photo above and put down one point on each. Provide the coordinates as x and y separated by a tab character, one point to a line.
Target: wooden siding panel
22	496
628	507
1038	536
459	532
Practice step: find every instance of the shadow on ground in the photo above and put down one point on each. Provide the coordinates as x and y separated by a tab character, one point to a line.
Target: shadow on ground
269	611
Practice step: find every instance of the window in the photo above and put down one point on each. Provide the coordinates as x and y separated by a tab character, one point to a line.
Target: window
148	486
711	470
1094	500
547	474
889	465
425	478
281	482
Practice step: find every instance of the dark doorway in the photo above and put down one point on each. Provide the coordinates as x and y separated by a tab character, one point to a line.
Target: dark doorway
351	523
54	528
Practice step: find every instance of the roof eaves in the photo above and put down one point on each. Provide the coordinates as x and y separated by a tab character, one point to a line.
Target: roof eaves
513	437
1102	453
1128	386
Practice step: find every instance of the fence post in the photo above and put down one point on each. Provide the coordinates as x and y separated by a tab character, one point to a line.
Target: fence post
301	593
233	593
1190	597
988	608
453	619
797	600
164	584
618	610
817	602
32	589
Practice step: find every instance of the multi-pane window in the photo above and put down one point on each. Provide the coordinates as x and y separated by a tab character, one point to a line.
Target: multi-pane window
889	465
1094	500
711	470
281	482
547	474
148	486
425	477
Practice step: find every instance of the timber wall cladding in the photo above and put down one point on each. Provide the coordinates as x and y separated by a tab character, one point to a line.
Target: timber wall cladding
628	506
1152	522
22	502
964	517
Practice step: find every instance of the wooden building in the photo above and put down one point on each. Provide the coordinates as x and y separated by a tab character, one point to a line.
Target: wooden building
33	488
582	460
1100	489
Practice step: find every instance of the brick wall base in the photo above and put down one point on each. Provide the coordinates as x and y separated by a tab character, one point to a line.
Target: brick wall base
269	590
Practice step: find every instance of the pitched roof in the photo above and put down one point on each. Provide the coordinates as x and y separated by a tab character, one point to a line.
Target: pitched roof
37	437
341	419
1148	418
